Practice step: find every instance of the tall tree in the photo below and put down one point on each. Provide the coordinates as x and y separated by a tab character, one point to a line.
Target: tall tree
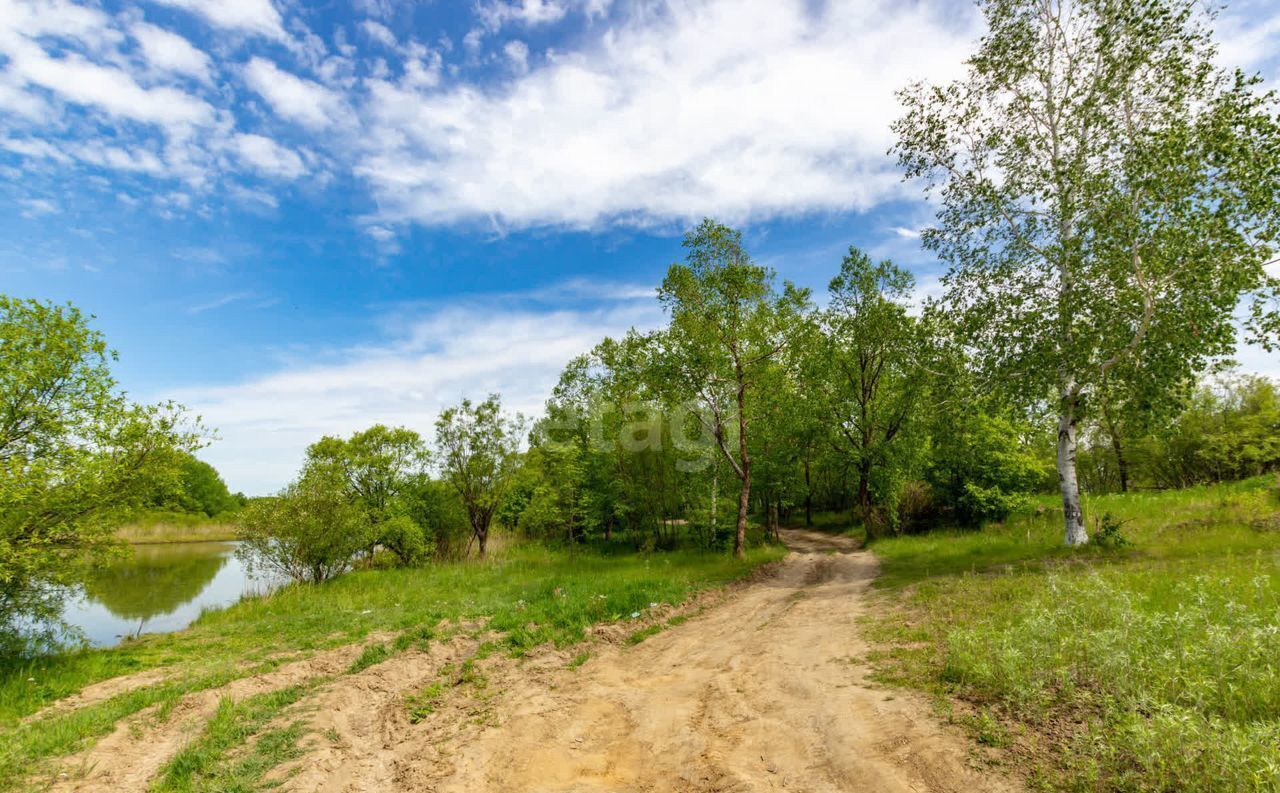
873	360
477	449
727	323
1107	194
77	458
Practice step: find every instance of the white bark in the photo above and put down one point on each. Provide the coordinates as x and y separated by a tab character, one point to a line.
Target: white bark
1072	514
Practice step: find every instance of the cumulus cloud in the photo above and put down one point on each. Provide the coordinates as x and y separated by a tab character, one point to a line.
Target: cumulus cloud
379	33
433	359
269	157
170	52
517	53
742	109
291	97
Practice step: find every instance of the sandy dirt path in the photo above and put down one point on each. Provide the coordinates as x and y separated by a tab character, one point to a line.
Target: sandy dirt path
763	689
762	692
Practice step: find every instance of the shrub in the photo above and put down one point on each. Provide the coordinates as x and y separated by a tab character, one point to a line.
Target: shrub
984	466
436	510
309	532
403	537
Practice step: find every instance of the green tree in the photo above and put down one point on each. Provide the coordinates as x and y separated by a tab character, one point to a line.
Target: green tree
310	531
377	465
434	507
873	357
477	447
199	490
1107	195
727	323
76	460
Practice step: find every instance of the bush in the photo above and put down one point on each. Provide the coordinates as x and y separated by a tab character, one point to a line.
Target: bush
985	467
403	537
309	532
434	507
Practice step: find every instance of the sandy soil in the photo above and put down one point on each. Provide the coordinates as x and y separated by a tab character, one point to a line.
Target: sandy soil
761	691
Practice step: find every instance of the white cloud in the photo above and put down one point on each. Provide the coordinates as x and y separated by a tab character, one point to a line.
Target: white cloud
265	424
247	16
292	97
1249	37
78	80
269	157
740	109
170	52
496	13
35	148
379	33
906	233
466	350
37	207
518	53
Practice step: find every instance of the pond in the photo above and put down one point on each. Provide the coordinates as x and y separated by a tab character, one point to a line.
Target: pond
159	589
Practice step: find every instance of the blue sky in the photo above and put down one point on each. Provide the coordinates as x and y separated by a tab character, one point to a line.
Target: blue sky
304	218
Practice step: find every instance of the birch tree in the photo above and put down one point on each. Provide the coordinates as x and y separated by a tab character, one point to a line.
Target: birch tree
1107	195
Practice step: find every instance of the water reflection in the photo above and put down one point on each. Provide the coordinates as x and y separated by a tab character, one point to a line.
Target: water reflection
161	588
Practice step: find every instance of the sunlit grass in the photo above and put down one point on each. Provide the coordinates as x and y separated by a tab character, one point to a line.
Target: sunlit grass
1152	667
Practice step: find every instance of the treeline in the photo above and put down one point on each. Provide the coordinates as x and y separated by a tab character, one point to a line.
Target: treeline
1227	429
754	405
753	400
197	489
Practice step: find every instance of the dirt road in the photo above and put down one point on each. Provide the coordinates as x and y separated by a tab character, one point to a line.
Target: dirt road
763	691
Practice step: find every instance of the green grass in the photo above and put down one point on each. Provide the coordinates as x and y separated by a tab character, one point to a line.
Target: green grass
529	594
212	763
1152	667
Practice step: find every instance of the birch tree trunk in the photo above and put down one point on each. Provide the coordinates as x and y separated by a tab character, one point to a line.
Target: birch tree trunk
1072	514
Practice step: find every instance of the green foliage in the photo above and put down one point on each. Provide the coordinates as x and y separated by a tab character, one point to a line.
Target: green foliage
310	532
478	447
77	459
728	324
1107	199
202	490
983	466
436	510
377	464
1147	667
1107	533
872	370
1228	431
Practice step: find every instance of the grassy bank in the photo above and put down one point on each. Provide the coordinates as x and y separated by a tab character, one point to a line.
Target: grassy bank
169	527
1154	666
529	594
